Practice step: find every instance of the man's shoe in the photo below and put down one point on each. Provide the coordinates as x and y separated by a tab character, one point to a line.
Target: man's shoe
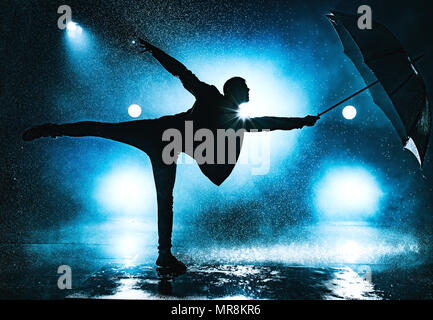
45	130
168	261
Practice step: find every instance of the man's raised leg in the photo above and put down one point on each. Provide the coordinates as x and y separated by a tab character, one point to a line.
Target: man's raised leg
127	132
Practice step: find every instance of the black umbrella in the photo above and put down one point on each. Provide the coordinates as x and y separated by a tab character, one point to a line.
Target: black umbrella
394	82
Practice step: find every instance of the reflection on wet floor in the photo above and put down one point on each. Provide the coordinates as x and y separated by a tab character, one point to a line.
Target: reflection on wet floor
228	282
116	260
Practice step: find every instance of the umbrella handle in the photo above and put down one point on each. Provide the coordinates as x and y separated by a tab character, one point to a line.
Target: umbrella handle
349	97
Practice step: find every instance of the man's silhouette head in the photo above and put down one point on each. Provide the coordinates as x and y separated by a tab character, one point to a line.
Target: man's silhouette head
237	89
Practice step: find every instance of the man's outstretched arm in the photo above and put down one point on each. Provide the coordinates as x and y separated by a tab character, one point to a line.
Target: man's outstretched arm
188	79
278	123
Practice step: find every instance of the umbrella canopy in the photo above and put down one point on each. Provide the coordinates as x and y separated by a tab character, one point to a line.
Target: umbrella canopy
395	84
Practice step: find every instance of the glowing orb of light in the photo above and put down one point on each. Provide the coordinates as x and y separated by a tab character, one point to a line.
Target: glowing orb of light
349	112
126	190
73	28
134	110
78	41
348	193
128	245
244	111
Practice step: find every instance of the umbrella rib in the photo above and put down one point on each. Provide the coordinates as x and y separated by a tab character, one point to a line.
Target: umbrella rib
384	56
419	112
402	84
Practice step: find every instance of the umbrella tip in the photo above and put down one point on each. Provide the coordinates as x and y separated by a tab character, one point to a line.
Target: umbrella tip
410	145
331	16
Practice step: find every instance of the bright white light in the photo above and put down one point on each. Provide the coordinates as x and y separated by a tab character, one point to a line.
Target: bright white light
129	246
127	190
78	41
244	111
348	193
350	251
134	110
72	26
349	112
73	29
272	92
321	244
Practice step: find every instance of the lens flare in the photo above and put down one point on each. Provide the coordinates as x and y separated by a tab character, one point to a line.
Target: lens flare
244	111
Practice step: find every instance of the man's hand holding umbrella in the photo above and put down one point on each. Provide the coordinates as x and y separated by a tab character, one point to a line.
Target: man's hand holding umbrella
311	120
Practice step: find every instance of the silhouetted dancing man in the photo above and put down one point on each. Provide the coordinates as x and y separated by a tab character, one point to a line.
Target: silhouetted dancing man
211	110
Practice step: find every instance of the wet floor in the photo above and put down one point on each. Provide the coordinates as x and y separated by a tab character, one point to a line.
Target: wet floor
228	282
224	281
342	262
258	282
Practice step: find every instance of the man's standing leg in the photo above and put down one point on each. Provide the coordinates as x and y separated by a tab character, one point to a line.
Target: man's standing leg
165	176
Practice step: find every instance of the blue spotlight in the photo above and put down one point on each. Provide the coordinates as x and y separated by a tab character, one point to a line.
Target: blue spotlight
73	28
273	92
348	193
76	37
127	190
